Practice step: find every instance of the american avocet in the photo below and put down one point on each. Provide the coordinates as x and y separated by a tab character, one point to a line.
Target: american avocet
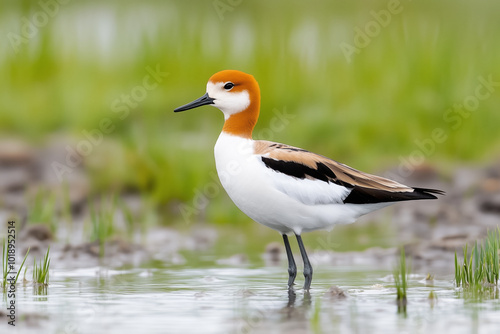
286	188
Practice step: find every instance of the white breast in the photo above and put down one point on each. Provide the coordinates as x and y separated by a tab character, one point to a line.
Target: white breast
276	200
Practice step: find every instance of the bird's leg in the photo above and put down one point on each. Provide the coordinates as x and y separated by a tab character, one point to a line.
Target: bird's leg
308	270
292	268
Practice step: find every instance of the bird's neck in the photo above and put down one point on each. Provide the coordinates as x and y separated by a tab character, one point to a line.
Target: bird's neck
241	124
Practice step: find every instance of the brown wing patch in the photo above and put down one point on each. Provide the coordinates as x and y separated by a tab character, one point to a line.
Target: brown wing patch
336	171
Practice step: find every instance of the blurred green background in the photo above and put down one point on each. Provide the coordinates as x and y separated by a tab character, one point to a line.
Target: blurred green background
66	67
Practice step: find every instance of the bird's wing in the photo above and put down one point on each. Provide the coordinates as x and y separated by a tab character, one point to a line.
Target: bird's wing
358	187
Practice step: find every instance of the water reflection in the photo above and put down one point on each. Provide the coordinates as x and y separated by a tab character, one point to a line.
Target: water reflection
40	290
300	311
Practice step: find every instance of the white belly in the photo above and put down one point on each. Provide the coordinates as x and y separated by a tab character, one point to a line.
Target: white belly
249	183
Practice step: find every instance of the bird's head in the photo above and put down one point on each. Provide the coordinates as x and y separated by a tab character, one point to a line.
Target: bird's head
236	94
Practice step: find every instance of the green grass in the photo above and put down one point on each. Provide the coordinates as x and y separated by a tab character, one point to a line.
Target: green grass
41	270
128	218
66	209
480	268
395	92
400	275
102	222
5	267
43	209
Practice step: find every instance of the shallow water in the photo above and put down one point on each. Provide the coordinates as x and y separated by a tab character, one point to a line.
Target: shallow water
249	299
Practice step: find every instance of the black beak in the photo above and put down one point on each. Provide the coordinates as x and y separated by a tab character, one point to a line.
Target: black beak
205	99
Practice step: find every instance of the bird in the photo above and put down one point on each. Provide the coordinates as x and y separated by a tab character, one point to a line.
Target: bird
286	188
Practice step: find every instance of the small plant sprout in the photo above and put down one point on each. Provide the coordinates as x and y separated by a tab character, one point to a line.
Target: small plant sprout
129	219
481	266
41	270
21	267
5	266
66	208
44	209
400	274
102	223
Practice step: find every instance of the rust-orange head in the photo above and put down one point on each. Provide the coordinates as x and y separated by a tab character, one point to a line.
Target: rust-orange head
237	95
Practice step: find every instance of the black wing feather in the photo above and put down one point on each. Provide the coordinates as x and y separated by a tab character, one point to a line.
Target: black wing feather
358	195
361	195
301	171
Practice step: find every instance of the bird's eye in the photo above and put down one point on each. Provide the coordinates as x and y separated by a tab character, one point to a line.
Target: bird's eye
228	86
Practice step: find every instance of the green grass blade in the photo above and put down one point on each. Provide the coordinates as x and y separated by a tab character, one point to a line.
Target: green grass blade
22	264
457	271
